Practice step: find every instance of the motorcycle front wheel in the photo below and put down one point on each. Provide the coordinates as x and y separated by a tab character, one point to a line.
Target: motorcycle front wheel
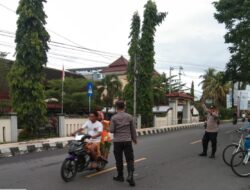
68	170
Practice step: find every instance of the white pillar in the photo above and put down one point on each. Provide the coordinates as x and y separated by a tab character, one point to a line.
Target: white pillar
61	126
14	129
155	121
174	105
187	112
138	122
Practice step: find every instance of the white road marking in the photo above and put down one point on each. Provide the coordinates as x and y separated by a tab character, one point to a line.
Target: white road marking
111	169
195	142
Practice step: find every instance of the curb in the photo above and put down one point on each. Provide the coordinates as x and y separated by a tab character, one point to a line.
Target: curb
39	147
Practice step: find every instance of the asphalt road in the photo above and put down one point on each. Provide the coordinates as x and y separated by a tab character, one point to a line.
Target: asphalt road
166	161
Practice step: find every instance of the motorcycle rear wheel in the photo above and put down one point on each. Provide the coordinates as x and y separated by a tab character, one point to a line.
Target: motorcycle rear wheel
68	170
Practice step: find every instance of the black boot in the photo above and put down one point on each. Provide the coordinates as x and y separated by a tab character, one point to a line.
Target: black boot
212	156
119	177
203	154
130	179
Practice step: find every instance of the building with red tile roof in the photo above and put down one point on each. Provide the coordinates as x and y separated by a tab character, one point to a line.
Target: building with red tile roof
119	66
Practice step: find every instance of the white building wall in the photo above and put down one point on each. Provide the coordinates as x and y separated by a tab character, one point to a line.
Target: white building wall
5	130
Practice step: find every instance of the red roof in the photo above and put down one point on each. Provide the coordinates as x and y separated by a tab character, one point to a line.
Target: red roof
120	65
180	95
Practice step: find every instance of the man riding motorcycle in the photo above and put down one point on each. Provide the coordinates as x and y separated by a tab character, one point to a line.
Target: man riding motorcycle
94	129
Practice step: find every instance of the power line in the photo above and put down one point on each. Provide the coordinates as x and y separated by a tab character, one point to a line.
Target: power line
186	64
109	54
80	58
70	47
7	8
63	37
66	57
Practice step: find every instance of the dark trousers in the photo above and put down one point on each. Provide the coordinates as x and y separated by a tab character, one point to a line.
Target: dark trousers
209	136
127	149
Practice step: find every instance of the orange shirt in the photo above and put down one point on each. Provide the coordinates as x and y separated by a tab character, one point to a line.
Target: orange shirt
105	132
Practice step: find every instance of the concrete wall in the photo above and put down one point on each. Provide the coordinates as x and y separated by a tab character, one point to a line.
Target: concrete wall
163	121
69	125
5	130
8	128
195	119
72	124
167	120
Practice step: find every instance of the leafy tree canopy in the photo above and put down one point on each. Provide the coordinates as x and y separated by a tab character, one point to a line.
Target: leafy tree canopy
26	76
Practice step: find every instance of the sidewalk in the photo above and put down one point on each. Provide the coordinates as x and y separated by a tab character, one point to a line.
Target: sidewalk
14	149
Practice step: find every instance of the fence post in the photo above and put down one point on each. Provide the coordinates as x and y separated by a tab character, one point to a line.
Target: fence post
14	128
61	125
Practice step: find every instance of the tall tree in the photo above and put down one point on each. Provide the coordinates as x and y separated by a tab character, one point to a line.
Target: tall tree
26	77
235	15
134	52
192	89
146	61
4	68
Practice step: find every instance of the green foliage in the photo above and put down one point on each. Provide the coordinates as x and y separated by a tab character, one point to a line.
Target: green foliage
146	62
192	89
214	88
142	51
4	68
200	109
109	89
225	113
160	88
26	76
75	94
134	51
235	15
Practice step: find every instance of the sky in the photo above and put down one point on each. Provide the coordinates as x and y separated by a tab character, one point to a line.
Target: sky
189	37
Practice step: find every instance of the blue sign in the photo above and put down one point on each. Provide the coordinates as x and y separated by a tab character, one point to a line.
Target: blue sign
90	89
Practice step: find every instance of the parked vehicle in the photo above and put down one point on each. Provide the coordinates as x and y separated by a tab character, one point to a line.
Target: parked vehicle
79	159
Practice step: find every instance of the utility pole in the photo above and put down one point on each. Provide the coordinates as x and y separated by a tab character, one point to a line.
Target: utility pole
135	85
170	80
63	77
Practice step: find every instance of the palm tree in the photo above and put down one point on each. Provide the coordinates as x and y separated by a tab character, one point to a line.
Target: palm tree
214	87
109	88
209	74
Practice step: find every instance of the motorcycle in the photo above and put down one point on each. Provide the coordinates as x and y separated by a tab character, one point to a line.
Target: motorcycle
79	159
